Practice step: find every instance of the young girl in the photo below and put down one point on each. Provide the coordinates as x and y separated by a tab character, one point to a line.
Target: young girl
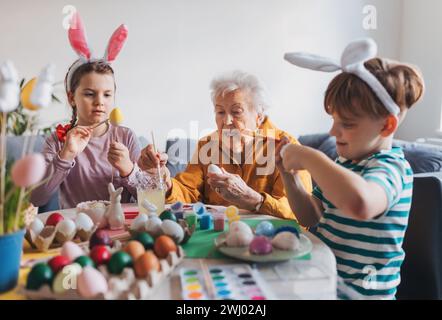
362	201
83	160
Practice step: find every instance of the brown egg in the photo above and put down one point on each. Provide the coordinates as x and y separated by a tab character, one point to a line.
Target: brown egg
163	245
145	263
135	249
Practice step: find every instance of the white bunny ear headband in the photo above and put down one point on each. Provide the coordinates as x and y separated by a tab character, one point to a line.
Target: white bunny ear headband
352	61
77	39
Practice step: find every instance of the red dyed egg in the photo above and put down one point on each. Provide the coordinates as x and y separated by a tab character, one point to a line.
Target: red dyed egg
100	255
58	263
54	219
100	237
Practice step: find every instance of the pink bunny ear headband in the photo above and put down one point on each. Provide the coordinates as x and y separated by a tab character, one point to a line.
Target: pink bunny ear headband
77	39
352	61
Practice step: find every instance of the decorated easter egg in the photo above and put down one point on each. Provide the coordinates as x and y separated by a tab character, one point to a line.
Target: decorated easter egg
91	283
54	219
139	223
58	262
29	170
286	241
265	228
100	254
240	226
71	250
118	262
239	238
100	236
213	168
66	227
40	274
83	222
173	230
145	239
116	117
260	245
37	226
153	226
146	263
25	95
84	261
167	215
287	229
163	246
231	211
66	279
134	249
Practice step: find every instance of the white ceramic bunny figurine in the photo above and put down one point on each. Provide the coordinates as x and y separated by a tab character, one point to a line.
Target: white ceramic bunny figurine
115	213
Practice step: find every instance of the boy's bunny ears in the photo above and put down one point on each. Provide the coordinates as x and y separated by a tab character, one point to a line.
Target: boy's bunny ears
77	39
352	61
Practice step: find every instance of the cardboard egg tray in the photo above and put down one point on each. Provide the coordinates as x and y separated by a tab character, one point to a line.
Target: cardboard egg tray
121	287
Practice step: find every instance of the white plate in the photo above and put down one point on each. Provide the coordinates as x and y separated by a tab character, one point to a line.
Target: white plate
243	253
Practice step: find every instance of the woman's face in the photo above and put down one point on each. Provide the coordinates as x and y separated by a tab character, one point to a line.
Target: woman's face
94	98
235	111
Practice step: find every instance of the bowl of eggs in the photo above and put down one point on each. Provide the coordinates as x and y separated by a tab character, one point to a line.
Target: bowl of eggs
96	210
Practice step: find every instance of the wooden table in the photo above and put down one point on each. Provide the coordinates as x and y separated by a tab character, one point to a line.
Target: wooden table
313	278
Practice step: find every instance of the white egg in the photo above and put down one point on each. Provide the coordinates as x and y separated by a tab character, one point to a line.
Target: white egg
173	229
240	226
37	226
84	222
91	283
66	227
66	278
286	241
153	226
71	250
239	239
213	168
139	223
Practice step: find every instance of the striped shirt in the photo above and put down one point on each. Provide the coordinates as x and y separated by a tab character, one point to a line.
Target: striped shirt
369	253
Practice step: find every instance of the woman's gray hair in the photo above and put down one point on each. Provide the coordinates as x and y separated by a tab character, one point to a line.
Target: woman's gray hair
232	81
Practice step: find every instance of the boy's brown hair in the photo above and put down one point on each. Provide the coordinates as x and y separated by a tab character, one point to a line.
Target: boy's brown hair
348	95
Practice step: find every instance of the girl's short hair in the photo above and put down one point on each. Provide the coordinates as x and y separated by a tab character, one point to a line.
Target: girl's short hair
348	95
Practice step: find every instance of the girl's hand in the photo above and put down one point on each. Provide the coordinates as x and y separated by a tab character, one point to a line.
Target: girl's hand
292	157
118	157
149	161
76	140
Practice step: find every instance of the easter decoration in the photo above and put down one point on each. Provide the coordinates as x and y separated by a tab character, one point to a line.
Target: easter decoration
17	180
115	213
263	244
104	272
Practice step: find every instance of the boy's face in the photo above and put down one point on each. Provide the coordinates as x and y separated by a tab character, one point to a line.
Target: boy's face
357	137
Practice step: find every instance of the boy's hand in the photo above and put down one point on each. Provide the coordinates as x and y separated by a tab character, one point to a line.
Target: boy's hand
278	159
118	157
292	157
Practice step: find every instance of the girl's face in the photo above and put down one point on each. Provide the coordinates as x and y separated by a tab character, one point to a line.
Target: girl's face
357	137
94	98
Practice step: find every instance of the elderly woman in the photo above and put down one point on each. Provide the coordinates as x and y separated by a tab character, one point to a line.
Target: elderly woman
244	148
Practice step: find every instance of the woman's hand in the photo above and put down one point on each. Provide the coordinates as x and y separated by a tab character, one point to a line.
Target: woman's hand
232	188
119	158
76	140
149	161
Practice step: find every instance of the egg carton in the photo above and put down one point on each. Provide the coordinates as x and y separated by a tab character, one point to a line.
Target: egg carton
50	237
121	287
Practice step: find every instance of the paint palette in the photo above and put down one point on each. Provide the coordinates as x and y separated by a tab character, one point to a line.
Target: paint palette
223	282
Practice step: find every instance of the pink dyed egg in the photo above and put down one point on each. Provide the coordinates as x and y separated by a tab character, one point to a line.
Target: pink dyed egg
260	245
28	170
71	250
91	283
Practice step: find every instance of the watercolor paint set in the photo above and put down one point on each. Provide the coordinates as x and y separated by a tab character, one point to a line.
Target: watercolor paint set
223	282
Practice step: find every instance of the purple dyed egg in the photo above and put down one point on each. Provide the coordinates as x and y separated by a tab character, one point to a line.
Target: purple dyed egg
260	245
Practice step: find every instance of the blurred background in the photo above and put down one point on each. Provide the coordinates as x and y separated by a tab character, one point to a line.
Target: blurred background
176	47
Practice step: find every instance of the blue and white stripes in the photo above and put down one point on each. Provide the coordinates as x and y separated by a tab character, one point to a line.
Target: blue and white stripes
369	253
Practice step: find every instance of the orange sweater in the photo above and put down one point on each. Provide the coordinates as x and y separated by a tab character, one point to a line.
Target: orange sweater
191	185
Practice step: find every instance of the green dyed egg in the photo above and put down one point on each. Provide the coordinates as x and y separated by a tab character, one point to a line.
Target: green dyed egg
39	275
118	262
84	261
146	240
167	215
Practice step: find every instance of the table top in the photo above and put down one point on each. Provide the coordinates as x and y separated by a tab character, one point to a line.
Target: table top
314	278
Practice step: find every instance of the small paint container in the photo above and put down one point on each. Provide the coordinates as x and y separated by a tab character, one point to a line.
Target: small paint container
218	222
206	222
191	218
179	215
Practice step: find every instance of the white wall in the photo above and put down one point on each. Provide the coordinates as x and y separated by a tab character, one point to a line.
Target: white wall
175	47
422	45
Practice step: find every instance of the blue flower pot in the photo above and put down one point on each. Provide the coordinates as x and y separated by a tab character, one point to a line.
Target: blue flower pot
11	245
